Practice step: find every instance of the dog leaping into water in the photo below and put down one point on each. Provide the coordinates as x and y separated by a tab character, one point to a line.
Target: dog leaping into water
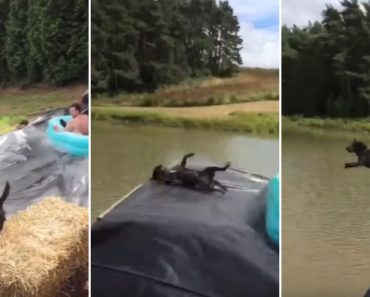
4	195
362	152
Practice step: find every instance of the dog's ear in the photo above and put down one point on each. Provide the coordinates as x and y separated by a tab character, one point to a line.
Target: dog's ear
5	194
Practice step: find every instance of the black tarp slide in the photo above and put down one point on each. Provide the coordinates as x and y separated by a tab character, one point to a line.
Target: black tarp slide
35	169
167	241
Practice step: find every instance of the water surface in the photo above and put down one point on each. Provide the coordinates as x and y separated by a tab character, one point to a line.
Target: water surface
123	156
326	218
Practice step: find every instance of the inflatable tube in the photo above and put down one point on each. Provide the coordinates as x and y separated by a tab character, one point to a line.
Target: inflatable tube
71	143
273	210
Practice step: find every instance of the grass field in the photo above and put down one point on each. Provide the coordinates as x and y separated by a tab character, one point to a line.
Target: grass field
247	102
296	123
247	86
16	104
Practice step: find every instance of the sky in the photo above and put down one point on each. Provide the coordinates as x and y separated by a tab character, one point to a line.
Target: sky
301	12
259	28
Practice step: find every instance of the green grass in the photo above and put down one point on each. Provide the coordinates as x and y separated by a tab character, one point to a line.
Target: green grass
23	105
253	123
6	124
294	123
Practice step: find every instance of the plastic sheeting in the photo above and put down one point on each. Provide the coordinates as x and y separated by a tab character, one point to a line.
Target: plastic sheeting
35	169
165	241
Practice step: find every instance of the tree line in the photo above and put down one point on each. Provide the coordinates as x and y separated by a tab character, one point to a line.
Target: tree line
326	65
43	41
141	45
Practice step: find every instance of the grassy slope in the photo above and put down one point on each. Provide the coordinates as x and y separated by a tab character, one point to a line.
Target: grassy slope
254	115
246	86
16	105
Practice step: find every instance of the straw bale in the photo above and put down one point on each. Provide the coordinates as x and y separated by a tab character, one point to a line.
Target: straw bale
42	247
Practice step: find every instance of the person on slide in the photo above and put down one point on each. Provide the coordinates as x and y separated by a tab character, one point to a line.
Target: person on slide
79	123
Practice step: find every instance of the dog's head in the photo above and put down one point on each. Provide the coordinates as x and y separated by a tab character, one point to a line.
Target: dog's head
356	147
159	173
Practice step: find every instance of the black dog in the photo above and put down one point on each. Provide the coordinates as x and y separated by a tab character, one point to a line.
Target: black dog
362	153
202	180
2	200
367	293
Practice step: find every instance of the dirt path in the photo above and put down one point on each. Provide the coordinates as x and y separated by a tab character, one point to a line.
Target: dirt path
215	111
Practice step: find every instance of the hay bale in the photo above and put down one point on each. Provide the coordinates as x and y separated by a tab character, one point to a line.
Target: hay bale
42	247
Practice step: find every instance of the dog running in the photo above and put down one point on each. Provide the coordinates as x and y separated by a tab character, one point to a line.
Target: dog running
362	152
3	197
201	180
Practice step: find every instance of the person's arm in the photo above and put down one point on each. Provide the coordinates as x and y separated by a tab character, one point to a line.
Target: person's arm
70	127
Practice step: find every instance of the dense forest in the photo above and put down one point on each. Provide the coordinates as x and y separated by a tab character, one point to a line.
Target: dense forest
326	65
141	45
43	41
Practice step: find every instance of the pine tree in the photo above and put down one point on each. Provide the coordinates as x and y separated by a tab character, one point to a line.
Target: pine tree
16	43
326	66
64	40
139	46
4	11
36	59
43	41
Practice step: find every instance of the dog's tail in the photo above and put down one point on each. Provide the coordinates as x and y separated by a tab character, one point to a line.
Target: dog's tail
5	194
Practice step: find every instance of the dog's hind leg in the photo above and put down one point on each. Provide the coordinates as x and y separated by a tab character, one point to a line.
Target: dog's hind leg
220	187
352	165
184	159
210	172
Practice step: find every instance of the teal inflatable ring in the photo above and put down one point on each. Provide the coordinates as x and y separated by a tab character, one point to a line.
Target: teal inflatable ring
74	144
273	210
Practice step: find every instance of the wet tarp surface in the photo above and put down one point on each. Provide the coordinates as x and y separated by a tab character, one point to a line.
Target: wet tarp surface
165	241
35	169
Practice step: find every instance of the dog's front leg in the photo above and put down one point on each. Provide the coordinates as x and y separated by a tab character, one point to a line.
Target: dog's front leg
352	165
